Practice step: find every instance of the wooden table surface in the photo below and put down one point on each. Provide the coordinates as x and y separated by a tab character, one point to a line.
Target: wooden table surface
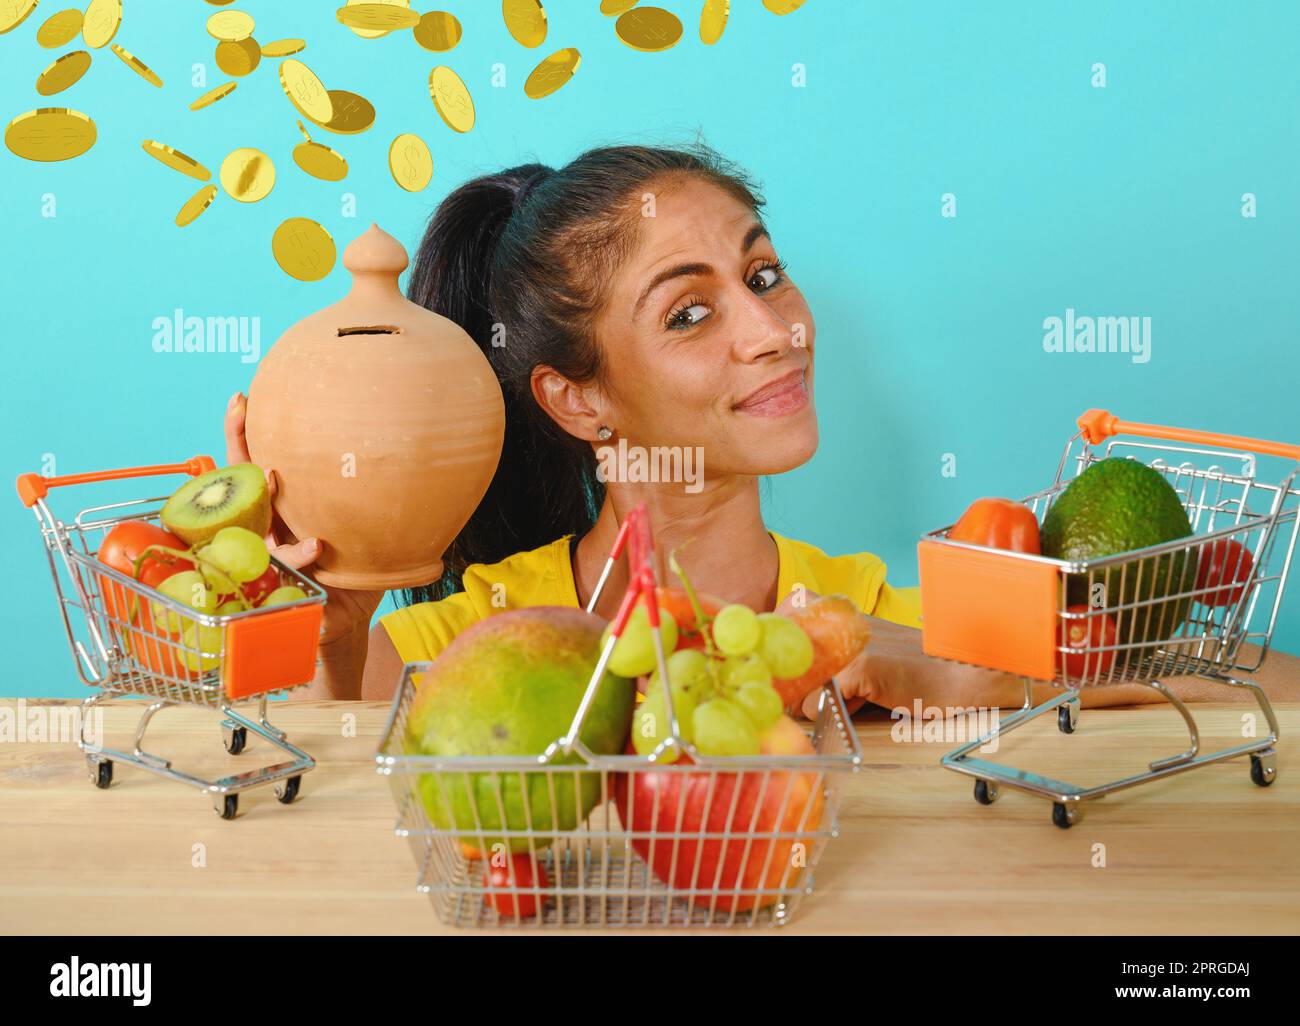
1200	852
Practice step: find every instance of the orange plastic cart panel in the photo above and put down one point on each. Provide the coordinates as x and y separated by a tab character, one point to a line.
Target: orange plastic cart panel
272	650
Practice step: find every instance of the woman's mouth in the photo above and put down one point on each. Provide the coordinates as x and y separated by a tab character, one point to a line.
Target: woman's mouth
786	394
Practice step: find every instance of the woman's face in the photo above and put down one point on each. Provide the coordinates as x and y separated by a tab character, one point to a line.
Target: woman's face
706	341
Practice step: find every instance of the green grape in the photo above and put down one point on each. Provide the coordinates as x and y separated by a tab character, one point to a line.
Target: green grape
784	646
736	630
741	670
281	596
188	588
202	649
218	580
650	721
240	553
761	703
688	667
723	728
634	652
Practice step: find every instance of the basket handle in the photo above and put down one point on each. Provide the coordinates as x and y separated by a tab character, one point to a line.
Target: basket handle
32	487
1098	425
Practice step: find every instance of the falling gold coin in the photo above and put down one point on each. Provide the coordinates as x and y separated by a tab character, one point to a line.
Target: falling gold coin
451	98
101	22
305	91
195	205
612	8
410	162
231	26
213	95
138	66
51	133
59	29
377	16
64	72
353	114
649	29
525	20
319	161
247	175
239	58
783	6
220	3
284	47
553	72
713	19
303	249
438	31
176	160
374	33
13	13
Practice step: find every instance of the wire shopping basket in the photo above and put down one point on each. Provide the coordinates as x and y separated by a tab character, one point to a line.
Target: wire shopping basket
696	842
1203	605
176	655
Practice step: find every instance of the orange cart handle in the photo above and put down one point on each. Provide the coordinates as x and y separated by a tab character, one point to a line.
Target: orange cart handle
1098	425
33	487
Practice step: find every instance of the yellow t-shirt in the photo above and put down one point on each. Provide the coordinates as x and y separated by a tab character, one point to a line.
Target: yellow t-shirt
544	577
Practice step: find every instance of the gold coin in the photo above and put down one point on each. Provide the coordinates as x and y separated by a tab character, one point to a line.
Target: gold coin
410	162
51	133
220	3
783	6
377	16
101	21
451	98
438	31
713	19
213	95
553	72
231	26
138	66
195	205
284	47
649	29
525	20
66	71
374	33
59	29
319	161
13	13
247	175
613	8
304	132
239	58
353	114
176	160
303	249
305	91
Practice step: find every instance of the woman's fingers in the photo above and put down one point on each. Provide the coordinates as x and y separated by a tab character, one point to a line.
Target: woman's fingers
298	554
236	444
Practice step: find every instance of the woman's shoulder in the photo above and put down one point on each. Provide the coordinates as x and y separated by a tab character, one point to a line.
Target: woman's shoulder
861	576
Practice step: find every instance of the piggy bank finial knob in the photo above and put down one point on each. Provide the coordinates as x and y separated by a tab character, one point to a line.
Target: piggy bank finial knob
376	254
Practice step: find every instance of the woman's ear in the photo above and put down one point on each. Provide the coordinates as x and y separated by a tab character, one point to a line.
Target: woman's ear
578	409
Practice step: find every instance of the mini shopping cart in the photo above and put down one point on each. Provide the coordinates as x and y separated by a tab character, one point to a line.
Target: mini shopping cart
213	662
1138	617
739	852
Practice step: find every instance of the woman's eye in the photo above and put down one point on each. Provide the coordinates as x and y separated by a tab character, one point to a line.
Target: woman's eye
688	316
767	277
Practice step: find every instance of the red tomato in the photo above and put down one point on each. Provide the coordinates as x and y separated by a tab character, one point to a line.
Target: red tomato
1226	561
522	871
120	549
998	524
1095	631
676	602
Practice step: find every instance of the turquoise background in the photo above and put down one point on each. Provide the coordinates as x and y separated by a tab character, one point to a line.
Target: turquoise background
1117	201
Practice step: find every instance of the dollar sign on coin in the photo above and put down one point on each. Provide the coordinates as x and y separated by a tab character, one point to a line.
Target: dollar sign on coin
51	133
410	162
303	249
247	175
59	29
101	22
648	29
13	13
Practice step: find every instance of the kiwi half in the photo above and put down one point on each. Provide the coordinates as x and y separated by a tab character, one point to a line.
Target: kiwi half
233	496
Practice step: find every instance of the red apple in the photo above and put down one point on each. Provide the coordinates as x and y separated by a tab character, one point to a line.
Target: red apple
742	804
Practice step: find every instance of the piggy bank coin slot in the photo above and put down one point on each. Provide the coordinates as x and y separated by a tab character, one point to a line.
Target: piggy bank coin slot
372	329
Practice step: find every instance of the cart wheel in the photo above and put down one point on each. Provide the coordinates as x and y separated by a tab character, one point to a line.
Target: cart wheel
289	791
228	807
1263	768
985	792
1065	816
1067	717
101	774
234	738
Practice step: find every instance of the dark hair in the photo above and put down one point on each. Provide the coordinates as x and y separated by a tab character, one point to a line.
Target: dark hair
525	255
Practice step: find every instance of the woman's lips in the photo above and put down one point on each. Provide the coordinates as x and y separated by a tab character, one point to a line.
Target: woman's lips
786	395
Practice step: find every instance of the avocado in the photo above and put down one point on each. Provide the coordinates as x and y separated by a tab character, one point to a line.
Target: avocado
1118	505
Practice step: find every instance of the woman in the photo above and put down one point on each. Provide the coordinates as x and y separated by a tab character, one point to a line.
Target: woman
633	295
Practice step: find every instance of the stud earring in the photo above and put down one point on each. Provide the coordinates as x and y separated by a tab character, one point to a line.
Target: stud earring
603	433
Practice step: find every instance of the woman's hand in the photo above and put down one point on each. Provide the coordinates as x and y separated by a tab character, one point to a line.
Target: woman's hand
346	624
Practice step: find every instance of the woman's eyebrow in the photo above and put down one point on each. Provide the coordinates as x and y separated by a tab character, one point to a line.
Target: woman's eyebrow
756	231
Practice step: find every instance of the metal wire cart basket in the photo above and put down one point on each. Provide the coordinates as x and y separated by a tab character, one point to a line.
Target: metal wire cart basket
721	842
194	659
1132	617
